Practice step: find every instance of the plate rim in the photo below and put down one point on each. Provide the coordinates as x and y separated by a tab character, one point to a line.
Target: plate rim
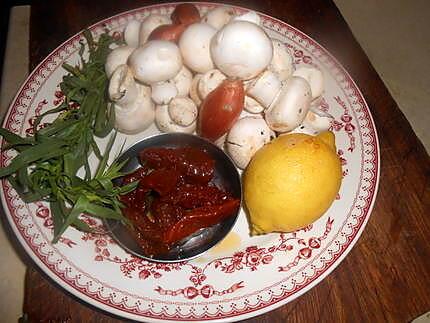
342	253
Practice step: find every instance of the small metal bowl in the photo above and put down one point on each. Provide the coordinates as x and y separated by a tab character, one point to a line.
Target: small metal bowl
226	177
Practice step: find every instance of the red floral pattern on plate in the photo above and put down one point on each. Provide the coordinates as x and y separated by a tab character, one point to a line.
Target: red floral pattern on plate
231	294
346	123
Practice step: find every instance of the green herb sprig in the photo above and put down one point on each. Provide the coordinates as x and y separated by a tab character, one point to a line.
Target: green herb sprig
47	163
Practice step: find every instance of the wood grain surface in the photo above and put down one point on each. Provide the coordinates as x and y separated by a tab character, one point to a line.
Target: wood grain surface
386	277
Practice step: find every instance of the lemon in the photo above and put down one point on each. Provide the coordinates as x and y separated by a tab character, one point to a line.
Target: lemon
291	182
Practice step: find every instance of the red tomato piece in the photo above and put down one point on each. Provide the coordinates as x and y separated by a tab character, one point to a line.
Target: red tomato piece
196	165
160	180
157	158
165	214
191	196
174	198
135	176
220	109
198	218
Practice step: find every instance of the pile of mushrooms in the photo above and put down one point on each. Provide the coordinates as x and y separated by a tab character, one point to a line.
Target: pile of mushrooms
171	66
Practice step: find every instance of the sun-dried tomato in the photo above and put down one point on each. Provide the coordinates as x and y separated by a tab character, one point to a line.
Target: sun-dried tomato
174	198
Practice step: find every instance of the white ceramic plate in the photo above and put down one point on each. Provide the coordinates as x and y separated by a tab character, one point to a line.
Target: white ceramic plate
245	276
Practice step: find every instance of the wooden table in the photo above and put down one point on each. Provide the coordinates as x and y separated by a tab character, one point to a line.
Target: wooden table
386	277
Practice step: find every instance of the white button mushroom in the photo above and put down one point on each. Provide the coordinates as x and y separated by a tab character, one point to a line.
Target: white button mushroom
291	105
220	142
194	94
245	137
315	122
183	111
131	33
250	16
241	49
149	24
265	88
282	62
314	77
209	82
122	88
137	120
165	123
133	107
219	17
183	81
195	47
116	57
156	61
163	92
252	106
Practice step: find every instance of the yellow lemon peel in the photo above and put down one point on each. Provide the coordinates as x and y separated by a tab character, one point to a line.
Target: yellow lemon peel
291	182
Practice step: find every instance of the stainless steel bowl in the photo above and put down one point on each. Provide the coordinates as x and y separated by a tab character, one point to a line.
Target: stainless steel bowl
226	177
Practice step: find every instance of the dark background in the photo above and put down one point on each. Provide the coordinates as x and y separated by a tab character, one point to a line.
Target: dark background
4	21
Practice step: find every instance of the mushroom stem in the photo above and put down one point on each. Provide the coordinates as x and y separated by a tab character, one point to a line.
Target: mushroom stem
282	61
134	110
245	137
194	94
265	88
166	124
315	122
138	116
183	81
122	87
252	106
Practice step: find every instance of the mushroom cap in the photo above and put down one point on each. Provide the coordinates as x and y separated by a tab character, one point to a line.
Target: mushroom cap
250	16
194	93
156	61
149	24
122	88
163	92
131	33
282	62
241	49
252	106
209	82
183	111
183	81
117	57
291	105
139	116
317	121
166	124
195	47
218	17
245	137
314	77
